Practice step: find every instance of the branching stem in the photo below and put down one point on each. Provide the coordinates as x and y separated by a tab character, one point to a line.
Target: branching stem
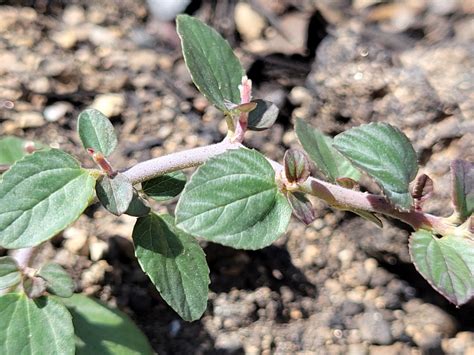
334	195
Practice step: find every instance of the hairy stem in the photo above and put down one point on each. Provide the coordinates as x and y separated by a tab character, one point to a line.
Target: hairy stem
335	195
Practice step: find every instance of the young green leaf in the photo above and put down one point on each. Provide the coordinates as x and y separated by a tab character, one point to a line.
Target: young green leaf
175	263
327	159
11	149
447	263
165	187
138	207
96	132
40	326
9	273
263	116
58	281
41	195
101	330
115	193
463	188
302	207
233	200
213	66
386	154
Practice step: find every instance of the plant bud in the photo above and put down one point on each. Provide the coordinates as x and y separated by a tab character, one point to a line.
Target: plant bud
296	164
301	206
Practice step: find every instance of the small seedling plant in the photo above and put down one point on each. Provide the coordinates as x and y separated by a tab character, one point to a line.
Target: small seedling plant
236	197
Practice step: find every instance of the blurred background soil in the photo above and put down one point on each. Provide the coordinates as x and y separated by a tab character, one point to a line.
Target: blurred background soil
338	286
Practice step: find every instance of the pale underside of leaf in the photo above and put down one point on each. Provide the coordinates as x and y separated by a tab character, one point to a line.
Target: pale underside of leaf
447	263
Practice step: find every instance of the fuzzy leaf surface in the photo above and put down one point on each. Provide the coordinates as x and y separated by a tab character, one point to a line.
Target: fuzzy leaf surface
40	326
175	263
102	330
115	193
40	196
463	187
11	149
384	153
58	281
447	263
96	132
9	273
165	187
327	159
214	68
233	200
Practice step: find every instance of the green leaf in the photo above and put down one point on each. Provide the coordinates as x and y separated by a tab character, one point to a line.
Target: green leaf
384	153
138	207
214	68
101	330
463	188
40	326
11	150
233	200
447	263
96	132
175	263
9	274
327	159
40	196
165	187
115	193
58	281
263	116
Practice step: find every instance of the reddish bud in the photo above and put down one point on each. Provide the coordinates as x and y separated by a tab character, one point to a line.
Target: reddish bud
302	207
348	183
421	191
102	162
296	164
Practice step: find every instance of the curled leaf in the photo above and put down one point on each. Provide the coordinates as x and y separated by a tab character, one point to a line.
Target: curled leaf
263	116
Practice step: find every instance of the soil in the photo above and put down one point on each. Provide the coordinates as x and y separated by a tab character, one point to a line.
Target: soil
338	286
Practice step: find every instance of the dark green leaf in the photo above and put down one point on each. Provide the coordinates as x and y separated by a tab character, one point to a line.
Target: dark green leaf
384	153
165	187
302	207
96	132
233	200
213	66
40	326
327	159
263	116
9	274
115	193
58	281
41	195
175	263
101	330
138	207
447	263
463	188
